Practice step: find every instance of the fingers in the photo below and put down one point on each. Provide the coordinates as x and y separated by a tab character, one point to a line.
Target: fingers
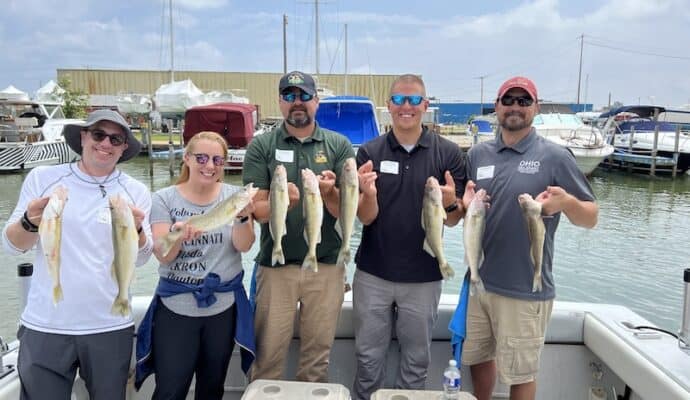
366	167
450	182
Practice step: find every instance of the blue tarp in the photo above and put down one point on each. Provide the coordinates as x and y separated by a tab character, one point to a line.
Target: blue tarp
353	116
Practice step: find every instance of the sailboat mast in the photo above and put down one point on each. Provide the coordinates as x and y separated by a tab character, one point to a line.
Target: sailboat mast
346	91
579	75
172	53
316	34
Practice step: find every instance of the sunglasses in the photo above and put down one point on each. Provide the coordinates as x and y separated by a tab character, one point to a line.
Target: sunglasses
202	159
291	97
399	99
523	101
115	139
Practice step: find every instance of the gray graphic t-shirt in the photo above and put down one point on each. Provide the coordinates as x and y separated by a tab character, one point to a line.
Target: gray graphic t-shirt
211	252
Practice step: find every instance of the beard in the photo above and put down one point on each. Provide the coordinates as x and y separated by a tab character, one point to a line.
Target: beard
301	121
515	121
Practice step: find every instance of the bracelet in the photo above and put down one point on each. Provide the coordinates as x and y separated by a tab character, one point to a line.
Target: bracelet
452	207
27	224
243	219
140	229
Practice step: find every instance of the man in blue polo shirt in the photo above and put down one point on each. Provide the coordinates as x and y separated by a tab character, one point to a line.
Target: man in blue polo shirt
506	323
397	285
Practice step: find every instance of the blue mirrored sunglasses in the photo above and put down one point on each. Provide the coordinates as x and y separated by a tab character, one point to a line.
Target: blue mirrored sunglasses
523	101
399	99
202	159
290	97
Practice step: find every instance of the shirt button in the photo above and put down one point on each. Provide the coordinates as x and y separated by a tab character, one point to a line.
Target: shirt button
407	167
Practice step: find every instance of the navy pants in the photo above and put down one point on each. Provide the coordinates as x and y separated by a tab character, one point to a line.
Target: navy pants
184	346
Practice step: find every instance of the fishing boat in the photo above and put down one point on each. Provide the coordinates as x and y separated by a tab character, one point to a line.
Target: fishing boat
31	135
592	351
352	116
586	142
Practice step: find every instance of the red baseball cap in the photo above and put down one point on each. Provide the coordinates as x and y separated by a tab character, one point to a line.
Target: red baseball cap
519	82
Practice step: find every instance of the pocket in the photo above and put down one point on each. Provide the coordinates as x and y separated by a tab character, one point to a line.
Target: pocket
20	332
522	355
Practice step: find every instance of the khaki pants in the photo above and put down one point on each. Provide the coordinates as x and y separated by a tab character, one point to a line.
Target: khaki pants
320	295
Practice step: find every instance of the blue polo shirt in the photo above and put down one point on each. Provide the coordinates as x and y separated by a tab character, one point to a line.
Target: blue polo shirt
506	172
392	245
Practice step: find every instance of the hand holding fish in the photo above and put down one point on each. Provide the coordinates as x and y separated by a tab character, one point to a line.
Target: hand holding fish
138	215
34	210
448	190
293	195
326	183
553	200
469	195
186	231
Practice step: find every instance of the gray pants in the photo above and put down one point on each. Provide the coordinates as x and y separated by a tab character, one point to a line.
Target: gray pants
48	363
379	307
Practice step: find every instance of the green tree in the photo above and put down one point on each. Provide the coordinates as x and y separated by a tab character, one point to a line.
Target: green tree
75	101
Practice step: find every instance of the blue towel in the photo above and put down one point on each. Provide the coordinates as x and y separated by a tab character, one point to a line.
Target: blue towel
457	324
203	293
252	287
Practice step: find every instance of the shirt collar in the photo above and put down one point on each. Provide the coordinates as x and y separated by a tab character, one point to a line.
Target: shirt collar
424	139
521	146
316	135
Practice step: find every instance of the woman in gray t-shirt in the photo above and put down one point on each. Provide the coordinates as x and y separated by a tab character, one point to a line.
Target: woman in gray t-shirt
187	338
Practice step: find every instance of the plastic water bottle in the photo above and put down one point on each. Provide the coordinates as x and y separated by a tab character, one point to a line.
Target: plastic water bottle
451	381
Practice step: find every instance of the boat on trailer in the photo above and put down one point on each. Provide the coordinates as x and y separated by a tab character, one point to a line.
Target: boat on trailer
592	351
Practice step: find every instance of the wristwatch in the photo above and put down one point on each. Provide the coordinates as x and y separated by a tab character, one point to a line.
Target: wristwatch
27	224
242	220
452	207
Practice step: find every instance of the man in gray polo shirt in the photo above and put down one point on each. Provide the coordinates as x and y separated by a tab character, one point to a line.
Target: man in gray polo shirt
506	323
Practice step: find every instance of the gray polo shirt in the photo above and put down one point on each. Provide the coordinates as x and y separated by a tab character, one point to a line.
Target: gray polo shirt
506	172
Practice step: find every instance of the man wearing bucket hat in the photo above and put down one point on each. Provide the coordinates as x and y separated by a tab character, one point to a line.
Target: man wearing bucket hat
506	322
299	142
78	329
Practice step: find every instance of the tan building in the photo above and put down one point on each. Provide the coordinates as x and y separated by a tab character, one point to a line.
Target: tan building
260	88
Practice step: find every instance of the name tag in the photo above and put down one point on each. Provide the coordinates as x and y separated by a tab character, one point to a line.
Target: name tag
103	216
389	167
485	172
285	155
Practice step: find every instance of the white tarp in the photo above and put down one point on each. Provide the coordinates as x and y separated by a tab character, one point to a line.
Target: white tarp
176	97
215	96
132	103
12	93
49	93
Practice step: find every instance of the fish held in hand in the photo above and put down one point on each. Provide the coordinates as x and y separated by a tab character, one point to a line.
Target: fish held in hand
125	249
433	215
50	232
349	200
312	204
279	202
531	210
473	233
224	213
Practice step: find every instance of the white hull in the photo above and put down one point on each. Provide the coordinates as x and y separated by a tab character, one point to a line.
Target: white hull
15	156
588	159
582	339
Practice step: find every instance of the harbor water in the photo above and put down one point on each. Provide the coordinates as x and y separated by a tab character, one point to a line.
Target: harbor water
634	257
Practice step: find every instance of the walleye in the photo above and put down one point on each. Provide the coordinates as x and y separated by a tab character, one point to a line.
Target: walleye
223	213
125	249
433	216
531	209
313	217
472	234
349	199
50	231
279	201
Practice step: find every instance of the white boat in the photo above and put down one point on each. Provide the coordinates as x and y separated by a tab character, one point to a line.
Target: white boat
134	104
586	142
592	351
30	136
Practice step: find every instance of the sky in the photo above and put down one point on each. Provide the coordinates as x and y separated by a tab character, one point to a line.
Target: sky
633	51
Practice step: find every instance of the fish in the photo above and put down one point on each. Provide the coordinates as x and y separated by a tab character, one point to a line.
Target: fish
472	235
531	210
224	213
349	200
433	216
125	249
279	202
50	232
312	204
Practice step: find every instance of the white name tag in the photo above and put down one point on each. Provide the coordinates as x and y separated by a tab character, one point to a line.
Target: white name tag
103	216
389	167
485	172
285	155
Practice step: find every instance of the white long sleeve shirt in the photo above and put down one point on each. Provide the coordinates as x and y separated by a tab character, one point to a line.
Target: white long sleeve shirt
86	251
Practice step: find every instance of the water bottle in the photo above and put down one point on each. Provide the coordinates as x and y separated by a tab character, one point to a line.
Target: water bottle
451	381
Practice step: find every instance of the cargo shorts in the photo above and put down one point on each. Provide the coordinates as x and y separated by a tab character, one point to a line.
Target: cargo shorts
509	330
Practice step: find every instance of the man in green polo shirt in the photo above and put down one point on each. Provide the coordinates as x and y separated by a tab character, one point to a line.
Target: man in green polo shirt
296	144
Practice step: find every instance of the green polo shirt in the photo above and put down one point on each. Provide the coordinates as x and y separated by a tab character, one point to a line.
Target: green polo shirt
323	150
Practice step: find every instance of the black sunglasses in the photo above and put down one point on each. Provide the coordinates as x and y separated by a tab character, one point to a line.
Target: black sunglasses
399	99
291	97
523	101
202	159
115	139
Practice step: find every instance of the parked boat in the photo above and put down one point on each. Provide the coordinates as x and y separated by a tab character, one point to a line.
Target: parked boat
353	116
586	142
638	122
592	351
29	137
237	123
